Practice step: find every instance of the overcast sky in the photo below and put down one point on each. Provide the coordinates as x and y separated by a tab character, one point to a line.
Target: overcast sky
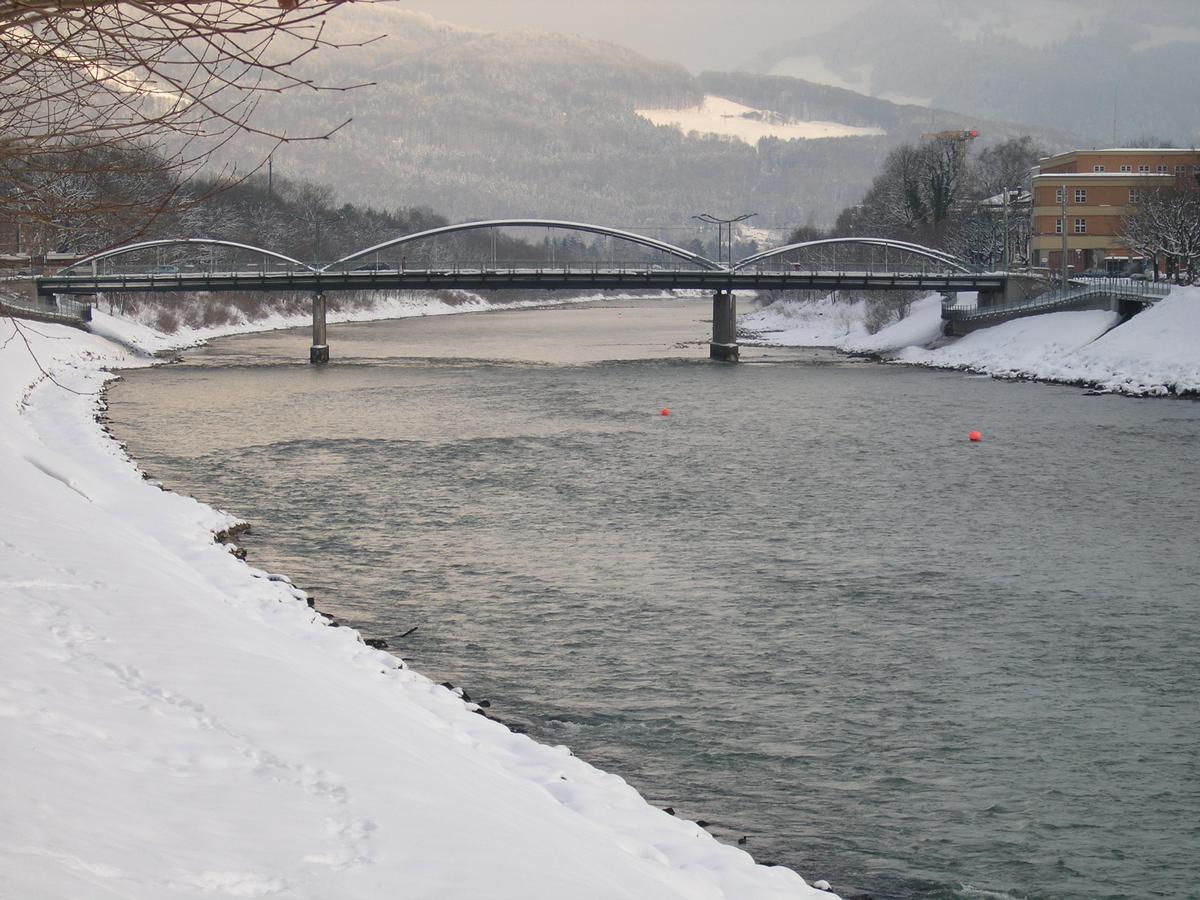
724	34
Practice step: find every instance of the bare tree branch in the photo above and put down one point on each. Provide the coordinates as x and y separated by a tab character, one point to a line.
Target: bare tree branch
167	84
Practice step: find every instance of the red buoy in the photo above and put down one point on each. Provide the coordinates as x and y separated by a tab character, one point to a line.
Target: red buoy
976	436
665	411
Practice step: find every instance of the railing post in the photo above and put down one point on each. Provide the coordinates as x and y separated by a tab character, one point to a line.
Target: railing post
319	352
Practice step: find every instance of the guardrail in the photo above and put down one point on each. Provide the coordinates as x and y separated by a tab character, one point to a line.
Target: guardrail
61	310
1117	288
568	276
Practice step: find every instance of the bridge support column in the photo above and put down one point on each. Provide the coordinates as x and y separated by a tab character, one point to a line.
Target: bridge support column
319	352
724	346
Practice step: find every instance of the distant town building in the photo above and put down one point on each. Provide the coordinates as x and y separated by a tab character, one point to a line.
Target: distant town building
1102	187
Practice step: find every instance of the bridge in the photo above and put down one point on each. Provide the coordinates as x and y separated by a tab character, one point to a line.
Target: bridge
457	257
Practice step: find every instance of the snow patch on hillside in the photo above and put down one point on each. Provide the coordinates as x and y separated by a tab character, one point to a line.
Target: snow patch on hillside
726	118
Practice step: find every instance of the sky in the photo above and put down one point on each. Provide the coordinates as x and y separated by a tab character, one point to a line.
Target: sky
725	34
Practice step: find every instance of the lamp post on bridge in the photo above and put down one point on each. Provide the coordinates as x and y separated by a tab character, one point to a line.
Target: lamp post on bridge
727	224
723	346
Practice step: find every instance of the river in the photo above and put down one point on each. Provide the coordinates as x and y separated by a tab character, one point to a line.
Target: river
801	607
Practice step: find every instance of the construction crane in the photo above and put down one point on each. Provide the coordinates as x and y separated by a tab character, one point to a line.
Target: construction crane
960	136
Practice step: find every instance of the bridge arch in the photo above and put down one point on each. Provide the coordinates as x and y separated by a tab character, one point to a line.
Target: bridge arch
678	252
915	249
184	242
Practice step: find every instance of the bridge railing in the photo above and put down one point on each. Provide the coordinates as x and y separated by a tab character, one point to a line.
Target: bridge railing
826	267
517	266
1119	288
170	270
57	309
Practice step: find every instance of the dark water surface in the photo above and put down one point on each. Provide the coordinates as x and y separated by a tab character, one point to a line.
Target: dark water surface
802	607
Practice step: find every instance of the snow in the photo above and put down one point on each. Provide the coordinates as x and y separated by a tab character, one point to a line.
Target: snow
1157	352
816	323
727	118
177	723
387	305
1021	347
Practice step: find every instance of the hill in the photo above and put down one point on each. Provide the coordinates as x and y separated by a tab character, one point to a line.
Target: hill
477	124
1117	81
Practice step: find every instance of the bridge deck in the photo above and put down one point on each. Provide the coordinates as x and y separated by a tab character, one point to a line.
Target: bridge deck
517	279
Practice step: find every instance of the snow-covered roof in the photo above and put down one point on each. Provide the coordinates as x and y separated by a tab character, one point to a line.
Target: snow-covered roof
1060	175
1124	151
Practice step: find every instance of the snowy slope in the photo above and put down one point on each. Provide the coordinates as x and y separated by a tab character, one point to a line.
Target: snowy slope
727	118
175	723
1157	352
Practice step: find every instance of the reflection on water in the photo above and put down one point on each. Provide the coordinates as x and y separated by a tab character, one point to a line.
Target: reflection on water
803	607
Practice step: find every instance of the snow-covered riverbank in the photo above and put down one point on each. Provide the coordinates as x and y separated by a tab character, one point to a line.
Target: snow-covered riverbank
176	723
1155	353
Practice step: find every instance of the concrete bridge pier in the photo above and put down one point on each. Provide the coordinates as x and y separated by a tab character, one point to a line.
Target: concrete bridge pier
723	346
319	352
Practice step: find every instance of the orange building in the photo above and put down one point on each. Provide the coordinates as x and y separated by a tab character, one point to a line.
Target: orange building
1102	187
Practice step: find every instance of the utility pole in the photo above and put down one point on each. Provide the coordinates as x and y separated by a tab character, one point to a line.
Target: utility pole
1004	250
1064	267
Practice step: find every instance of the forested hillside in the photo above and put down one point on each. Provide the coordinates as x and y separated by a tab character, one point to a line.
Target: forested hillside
477	124
1128	77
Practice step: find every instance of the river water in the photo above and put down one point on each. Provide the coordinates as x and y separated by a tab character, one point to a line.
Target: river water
802	607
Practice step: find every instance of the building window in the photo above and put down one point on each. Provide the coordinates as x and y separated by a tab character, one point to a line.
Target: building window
1163	170
1144	167
1097	168
1135	195
1080	195
1126	168
1058	195
1058	226
1081	226
1181	170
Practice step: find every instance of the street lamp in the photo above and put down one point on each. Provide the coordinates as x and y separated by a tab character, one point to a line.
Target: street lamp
728	225
316	220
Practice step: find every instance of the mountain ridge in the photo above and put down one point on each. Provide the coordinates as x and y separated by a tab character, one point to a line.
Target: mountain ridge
481	124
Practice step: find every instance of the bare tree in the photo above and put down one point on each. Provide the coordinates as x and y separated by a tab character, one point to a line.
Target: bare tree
1004	166
1166	225
914	196
166	83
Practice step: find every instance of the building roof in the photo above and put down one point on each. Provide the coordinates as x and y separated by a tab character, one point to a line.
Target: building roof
1057	176
1124	151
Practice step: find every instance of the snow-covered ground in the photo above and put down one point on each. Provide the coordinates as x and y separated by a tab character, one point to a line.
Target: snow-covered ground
728	118
1157	352
405	304
177	723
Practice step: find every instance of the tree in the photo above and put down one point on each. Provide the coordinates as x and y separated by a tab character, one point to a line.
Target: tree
1004	166
80	79
914	195
1166	225
804	233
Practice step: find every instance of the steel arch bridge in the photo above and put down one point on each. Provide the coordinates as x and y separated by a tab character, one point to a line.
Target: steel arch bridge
249	268
582	227
935	256
128	249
